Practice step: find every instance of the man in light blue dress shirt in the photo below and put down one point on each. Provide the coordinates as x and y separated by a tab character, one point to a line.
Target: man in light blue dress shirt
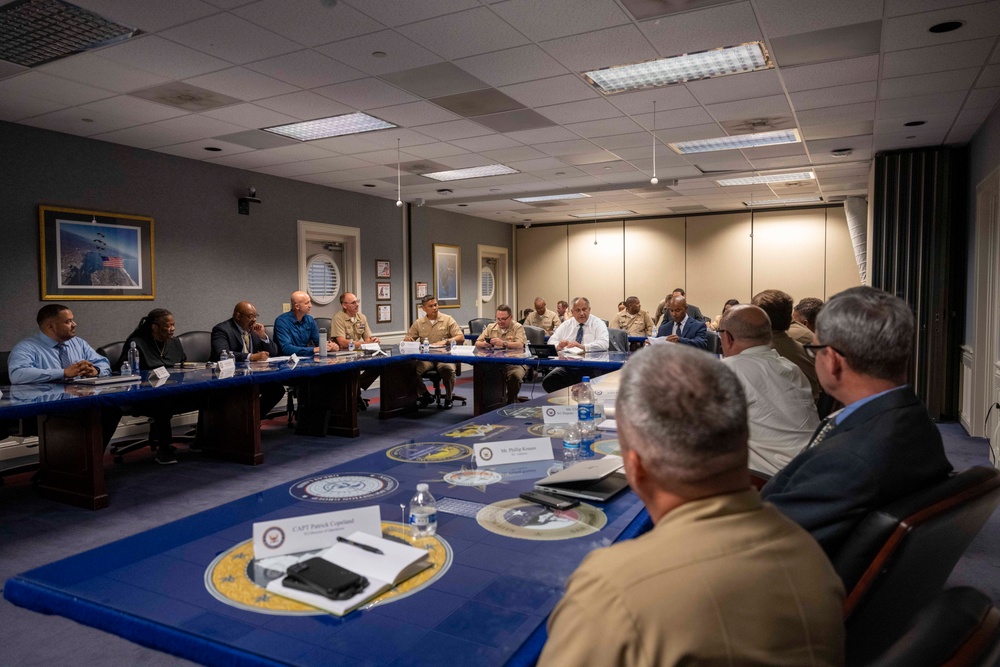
54	353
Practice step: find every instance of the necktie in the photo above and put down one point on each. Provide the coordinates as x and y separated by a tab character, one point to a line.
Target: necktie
677	329
827	426
246	342
63	355
579	335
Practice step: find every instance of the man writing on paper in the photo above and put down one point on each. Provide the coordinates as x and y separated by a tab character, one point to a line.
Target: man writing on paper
506	334
438	329
680	594
349	324
584	333
296	330
246	338
681	328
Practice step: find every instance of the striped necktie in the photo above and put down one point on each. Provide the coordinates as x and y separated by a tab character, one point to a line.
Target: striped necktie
826	426
246	341
63	355
579	335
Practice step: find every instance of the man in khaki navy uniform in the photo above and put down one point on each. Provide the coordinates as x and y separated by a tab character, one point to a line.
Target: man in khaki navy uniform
543	318
564	311
506	334
438	330
633	320
347	325
681	593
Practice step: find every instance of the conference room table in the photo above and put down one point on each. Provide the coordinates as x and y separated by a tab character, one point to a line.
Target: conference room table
71	442
194	589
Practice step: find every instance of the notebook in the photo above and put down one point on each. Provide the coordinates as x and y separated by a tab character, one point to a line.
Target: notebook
591	480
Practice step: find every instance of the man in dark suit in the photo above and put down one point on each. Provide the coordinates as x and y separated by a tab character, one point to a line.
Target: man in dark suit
681	327
246	338
883	444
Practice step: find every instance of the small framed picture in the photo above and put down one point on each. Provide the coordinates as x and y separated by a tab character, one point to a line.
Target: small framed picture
383	313
421	290
383	292
382	268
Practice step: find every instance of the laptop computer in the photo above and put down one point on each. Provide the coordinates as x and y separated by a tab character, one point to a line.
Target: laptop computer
107	379
598	480
543	351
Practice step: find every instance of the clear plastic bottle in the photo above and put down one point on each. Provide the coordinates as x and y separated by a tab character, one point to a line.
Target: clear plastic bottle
350	345
571	444
425	346
133	358
423	513
224	356
322	343
451	344
583	396
126	369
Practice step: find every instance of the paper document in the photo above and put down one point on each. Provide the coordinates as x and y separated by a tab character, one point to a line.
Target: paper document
573	350
277	360
397	563
608	425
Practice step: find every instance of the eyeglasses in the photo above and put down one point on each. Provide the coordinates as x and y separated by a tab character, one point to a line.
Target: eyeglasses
813	350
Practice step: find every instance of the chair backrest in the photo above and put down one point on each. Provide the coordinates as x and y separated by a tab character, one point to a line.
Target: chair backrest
197	345
324	323
617	340
535	335
112	352
959	628
477	325
4	375
269	330
899	557
714	344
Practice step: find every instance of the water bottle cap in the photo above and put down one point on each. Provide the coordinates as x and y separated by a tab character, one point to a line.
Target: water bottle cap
133	344
422	487
586	378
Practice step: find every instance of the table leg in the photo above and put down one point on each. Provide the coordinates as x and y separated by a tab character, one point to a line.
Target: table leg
397	390
231	424
328	405
488	388
71	458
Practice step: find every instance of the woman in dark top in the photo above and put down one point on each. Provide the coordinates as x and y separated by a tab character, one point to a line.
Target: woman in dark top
154	338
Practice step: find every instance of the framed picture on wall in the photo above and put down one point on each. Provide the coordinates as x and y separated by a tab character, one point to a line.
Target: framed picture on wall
382	268
383	313
420	290
383	292
448	275
95	255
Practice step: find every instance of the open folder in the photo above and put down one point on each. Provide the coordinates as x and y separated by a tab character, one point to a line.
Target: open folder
397	563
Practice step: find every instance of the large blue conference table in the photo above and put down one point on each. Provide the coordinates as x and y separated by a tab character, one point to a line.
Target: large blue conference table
71	443
192	587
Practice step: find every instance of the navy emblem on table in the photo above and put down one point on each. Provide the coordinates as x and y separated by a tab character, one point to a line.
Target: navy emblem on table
346	487
548	430
607	447
477	431
478	478
528	521
521	413
429	452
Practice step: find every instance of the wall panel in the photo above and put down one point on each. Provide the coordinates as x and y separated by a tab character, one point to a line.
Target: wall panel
541	265
718	260
654	259
597	271
788	252
841	265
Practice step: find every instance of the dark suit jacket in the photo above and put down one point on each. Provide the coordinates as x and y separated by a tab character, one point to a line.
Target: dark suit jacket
886	449
228	336
694	332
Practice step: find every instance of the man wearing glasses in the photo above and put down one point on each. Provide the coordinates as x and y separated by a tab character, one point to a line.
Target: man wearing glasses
347	325
883	444
246	338
506	334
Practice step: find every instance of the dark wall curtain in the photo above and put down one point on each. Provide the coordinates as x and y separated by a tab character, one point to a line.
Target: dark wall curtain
918	254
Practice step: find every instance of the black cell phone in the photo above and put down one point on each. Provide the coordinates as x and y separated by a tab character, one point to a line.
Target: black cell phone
322	577
555	502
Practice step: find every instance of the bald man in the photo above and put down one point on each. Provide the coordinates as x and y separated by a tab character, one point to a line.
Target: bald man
247	340
681	328
296	330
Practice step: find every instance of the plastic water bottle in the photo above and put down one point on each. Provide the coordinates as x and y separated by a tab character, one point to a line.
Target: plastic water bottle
583	395
133	359
451	344
571	444
224	356
126	369
423	513
322	343
350	345
425	346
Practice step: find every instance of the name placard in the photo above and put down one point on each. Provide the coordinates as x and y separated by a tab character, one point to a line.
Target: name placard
160	373
606	395
513	451
409	347
559	414
315	531
227	364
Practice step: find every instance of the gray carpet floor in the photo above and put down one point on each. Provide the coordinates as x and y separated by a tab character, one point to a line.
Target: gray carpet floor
143	495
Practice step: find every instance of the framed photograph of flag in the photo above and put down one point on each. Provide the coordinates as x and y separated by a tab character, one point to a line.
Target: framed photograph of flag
95	255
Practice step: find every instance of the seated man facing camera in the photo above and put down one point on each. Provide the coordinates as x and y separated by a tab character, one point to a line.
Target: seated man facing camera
722	578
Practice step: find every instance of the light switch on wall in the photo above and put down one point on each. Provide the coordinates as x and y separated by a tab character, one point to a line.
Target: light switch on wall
285	307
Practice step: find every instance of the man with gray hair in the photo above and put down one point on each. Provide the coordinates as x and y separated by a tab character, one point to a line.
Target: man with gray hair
779	399
679	594
883	444
580	334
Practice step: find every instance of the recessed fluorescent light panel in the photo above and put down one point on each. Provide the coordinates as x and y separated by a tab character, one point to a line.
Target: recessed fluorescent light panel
791	200
737	142
687	67
471	172
573	195
34	32
601	214
769	178
334	126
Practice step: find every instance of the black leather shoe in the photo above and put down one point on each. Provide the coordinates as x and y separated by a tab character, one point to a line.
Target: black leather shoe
425	400
447	404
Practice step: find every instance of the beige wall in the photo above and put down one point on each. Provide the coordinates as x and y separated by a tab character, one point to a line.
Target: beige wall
805	252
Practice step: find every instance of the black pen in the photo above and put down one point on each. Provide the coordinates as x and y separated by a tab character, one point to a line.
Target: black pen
373	550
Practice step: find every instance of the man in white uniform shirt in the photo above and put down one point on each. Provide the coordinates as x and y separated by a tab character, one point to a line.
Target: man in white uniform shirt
780	408
583	333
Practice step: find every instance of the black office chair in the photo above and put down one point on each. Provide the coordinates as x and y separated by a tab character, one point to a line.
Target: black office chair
269	331
477	326
112	352
197	345
324	323
900	556
958	628
535	335
714	343
15	427
617	340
